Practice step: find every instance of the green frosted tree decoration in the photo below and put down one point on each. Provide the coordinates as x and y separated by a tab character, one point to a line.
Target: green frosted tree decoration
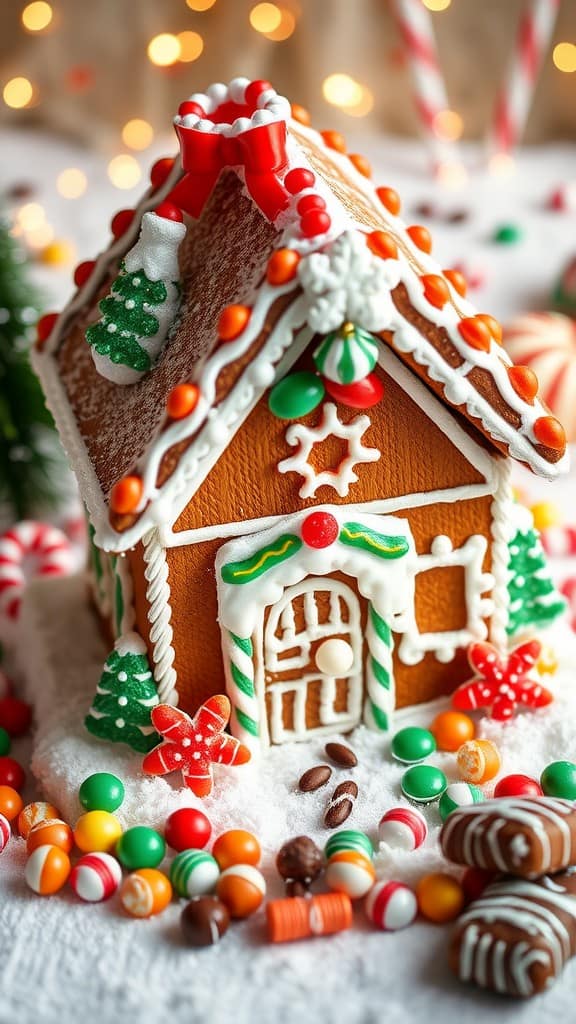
125	696
30	461
533	598
126	318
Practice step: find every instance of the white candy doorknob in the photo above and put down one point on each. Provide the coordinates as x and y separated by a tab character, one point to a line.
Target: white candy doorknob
334	657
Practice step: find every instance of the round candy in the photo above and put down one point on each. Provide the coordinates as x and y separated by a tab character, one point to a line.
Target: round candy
4	742
204	921
451	729
236	847
5	832
140	847
478	761
403	828
242	889
51	832
187	829
47	869
349	839
145	892
96	877
319	530
11	773
32	814
362	395
296	395
15	716
194	873
351	872
459	794
440	897
334	657
97	832
11	803
412	744
559	779
474	881
517	785
101	792
391	906
508	234
423	783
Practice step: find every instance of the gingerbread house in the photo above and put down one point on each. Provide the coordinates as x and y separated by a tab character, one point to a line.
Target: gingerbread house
291	430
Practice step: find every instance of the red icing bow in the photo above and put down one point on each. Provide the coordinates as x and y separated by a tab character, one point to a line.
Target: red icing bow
502	683
261	151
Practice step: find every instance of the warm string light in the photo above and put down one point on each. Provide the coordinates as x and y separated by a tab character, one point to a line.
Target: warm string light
18	93
137	134
124	171
164	50
437	5
564	57
265	18
191	46
71	183
37	16
31	225
343	91
501	165
200	5
448	125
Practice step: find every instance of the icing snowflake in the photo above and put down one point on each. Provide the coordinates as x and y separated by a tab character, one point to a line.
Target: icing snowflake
348	282
500	683
194	745
330	426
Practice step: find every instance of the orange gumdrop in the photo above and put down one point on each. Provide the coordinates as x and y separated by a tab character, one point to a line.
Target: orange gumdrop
382	244
421	237
390	199
282	266
11	803
300	114
457	280
550	432
334	140
524	381
182	400
493	325
451	729
126	494
475	333
361	164
232	321
435	290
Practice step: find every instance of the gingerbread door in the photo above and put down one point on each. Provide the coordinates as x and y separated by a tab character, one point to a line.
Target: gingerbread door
312	659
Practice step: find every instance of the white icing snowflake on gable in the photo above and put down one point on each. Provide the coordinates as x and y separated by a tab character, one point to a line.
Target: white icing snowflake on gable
330	426
348	282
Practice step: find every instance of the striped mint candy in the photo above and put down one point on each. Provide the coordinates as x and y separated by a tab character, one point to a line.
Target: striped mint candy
194	873
459	794
96	877
5	832
403	828
349	839
391	906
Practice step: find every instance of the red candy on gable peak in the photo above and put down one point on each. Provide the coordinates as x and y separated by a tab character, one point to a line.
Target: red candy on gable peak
319	530
363	394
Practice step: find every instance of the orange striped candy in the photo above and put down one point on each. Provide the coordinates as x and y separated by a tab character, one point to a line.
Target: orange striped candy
300	114
47	870
457	280
351	872
421	237
475	333
182	400
145	892
361	164
126	495
493	325
390	199
282	266
334	140
232	321
435	290
51	832
478	761
34	813
550	432
382	244
524	381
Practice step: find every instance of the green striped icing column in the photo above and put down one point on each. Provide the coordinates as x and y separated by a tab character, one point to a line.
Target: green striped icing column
379	673
239	655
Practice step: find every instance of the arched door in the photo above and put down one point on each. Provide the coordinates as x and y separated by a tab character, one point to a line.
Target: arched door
300	698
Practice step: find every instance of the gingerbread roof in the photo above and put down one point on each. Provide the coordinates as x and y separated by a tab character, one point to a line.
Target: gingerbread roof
286	238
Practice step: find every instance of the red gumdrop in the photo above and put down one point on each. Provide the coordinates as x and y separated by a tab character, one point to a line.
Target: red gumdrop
15	716
121	221
298	179
160	171
255	90
187	829
316	222
517	785
169	211
474	881
11	773
310	202
363	394
189	107
83	272
319	530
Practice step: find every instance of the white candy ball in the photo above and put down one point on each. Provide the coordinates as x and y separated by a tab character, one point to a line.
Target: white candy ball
334	658
96	877
391	906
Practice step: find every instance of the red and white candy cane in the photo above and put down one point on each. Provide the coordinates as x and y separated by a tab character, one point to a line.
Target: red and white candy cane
559	541
30	549
515	99
568	589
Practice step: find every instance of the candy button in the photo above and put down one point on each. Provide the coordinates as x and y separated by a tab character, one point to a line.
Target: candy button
423	783
451	729
559	779
363	394
334	657
440	897
459	794
412	744
101	792
296	395
242	889
194	873
517	785
391	906
140	847
145	892
236	847
187	829
349	839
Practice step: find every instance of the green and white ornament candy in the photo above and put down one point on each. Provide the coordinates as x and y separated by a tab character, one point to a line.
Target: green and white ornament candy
349	839
143	301
125	696
459	794
194	873
347	355
423	783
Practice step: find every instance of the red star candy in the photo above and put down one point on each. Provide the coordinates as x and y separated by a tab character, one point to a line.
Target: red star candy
194	745
502	683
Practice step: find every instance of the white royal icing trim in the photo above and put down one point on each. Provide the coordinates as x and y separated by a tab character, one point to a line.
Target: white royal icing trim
502	530
159	615
270	107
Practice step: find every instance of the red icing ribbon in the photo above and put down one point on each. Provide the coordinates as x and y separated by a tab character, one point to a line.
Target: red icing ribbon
261	151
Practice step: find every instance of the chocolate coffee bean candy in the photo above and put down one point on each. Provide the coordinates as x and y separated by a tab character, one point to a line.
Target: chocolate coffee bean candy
518	935
341	755
314	778
300	860
204	921
341	804
527	837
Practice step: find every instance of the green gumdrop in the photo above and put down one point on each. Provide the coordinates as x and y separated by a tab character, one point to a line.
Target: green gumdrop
423	783
140	847
101	792
508	234
559	779
412	744
5	742
296	395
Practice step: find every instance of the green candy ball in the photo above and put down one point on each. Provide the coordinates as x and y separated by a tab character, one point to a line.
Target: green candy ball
140	847
559	779
412	744
423	783
5	742
296	395
508	234
101	792
349	839
459	794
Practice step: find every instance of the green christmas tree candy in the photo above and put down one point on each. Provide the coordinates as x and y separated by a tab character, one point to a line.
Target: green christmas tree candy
125	696
533	598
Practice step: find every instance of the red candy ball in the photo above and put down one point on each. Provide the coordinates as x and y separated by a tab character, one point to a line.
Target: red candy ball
45	326
254	90
310	202
298	179
11	773
120	222
517	785
160	171
187	829
362	395
315	222
169	211
189	107
83	272
319	530
15	716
